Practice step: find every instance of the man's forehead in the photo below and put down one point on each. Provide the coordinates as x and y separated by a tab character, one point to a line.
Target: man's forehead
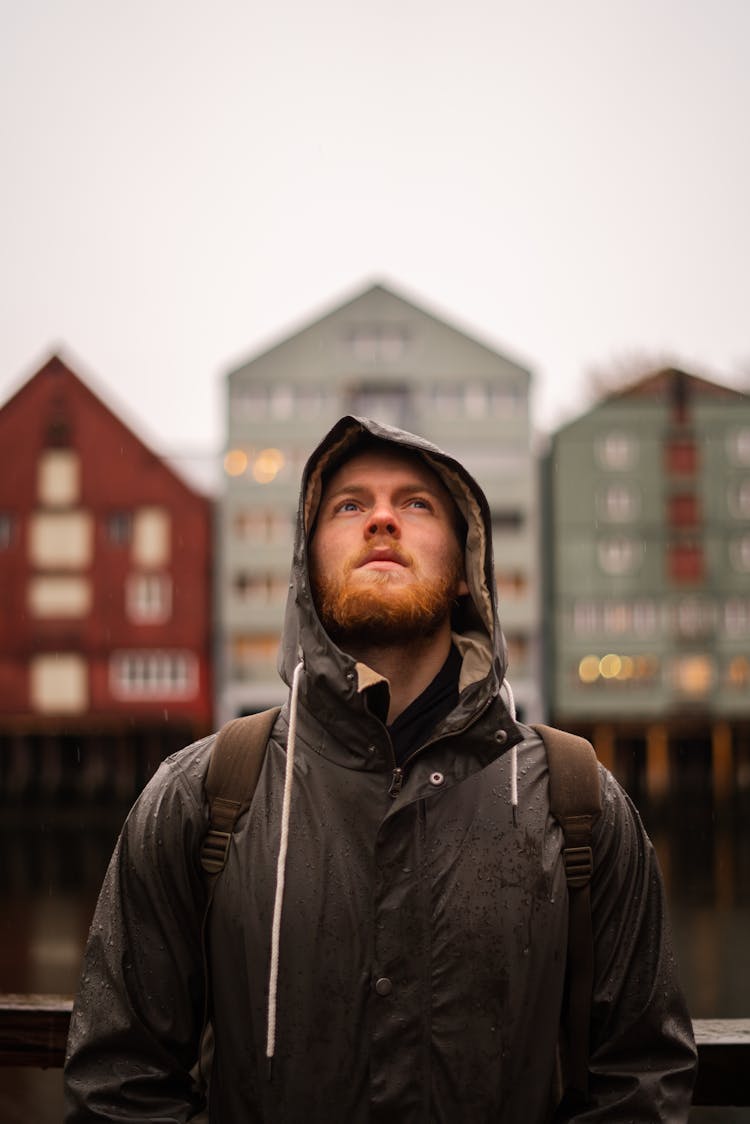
365	465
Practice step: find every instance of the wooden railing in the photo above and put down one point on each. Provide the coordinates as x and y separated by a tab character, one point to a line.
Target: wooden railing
33	1030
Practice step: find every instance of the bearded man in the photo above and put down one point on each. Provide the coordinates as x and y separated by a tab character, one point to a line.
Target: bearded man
417	972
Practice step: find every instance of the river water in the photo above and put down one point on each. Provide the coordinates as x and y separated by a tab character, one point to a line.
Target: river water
53	860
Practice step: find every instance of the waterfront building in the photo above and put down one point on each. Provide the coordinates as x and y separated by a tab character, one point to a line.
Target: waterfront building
104	595
647	603
381	356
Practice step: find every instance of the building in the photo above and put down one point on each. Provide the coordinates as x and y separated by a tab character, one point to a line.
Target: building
380	356
105	573
648	501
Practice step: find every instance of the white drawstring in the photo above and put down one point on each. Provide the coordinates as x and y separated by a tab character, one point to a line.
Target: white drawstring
273	973
513	756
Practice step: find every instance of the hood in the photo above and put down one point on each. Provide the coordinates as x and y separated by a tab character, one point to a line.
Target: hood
477	632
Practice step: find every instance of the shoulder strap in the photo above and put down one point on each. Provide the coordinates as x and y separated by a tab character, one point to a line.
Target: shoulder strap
236	759
576	803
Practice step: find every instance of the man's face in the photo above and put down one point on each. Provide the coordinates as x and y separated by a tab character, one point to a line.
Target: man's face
386	564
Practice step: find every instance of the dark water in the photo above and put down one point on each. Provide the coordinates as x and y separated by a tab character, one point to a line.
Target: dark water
53	859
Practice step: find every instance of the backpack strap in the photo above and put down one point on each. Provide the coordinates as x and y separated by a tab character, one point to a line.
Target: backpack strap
236	759
576	803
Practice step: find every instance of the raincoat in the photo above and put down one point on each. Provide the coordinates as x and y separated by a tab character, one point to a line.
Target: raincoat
422	943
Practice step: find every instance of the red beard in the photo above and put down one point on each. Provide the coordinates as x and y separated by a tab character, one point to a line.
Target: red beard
378	610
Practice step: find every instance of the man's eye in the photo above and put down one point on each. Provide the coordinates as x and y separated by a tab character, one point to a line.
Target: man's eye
417	502
347	505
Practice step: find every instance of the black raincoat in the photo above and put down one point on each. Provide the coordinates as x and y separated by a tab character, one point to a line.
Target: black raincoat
423	935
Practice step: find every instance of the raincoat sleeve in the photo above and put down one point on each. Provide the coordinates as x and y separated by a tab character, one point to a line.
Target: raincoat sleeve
138	1015
642	1052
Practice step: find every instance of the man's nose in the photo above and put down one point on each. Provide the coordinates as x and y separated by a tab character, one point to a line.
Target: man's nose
383	521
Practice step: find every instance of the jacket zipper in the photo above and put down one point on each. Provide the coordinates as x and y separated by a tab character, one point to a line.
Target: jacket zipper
398	775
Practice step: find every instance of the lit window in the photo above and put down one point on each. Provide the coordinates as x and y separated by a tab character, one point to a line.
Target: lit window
58	479
235	462
619	555
511	583
692	675
617	450
151	536
685	562
60	540
618	503
153	675
267	465
253	654
59	597
149	598
738	672
58	683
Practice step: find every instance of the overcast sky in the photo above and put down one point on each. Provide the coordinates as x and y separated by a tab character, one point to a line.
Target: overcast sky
185	183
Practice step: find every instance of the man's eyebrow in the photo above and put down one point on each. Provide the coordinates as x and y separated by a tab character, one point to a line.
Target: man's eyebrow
402	490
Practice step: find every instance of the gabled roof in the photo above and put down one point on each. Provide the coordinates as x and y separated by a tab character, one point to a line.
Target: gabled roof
671	382
372	302
52	384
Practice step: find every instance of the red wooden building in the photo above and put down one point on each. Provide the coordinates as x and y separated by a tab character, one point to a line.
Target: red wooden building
105	595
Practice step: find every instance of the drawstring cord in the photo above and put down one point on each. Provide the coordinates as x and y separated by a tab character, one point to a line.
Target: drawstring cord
513	756
273	973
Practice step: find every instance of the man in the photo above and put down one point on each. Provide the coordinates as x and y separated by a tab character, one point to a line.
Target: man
405	960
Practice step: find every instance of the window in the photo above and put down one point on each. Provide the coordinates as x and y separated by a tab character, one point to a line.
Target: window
251	654
389	403
475	400
446	401
149	598
694	616
681	456
384	342
7	529
738	672
616	670
60	540
585	618
618	503
738	445
153	675
58	683
151	535
59	597
507	519
511	584
617	450
281	402
618	617
739	553
505	400
262	524
619	555
119	527
739	499
58	477
685	562
645	618
260	588
683	510
737	617
692	675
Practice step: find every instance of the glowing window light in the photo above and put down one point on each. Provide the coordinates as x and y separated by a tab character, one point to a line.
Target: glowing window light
235	462
610	666
267	465
588	669
626	668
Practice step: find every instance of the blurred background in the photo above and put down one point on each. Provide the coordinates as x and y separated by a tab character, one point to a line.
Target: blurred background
520	232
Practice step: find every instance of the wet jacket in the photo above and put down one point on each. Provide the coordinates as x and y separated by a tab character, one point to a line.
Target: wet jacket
423	933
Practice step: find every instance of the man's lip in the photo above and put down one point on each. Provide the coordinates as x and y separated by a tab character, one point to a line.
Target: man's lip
387	556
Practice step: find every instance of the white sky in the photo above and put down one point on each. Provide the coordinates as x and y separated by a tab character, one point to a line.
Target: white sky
185	183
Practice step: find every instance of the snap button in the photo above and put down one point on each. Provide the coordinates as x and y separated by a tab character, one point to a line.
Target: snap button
437	779
501	737
383	986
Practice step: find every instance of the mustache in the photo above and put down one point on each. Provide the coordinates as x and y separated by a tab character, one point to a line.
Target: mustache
392	552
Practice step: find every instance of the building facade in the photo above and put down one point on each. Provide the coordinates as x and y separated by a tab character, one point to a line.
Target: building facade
648	510
380	356
105	581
